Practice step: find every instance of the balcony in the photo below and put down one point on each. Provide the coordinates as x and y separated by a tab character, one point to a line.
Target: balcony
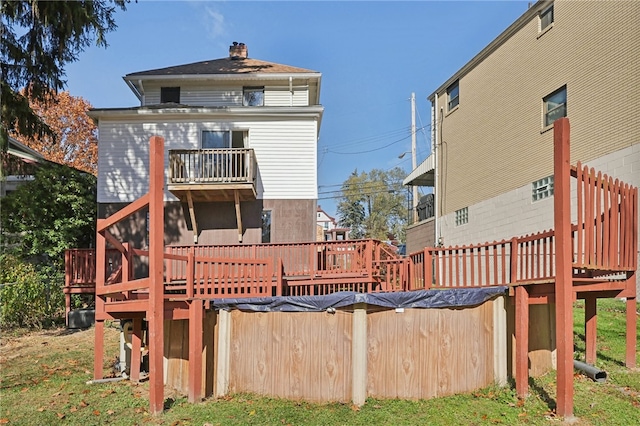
197	175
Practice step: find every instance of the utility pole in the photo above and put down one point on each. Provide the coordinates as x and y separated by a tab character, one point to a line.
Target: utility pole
414	155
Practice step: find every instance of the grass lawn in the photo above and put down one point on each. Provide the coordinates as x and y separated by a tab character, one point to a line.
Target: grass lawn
43	381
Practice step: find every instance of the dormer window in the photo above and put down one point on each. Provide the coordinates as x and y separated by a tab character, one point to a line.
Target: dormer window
170	94
253	96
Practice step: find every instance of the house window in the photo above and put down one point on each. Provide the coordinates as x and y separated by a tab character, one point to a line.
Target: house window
542	188
453	96
546	18
169	94
253	96
555	106
266	226
462	216
212	139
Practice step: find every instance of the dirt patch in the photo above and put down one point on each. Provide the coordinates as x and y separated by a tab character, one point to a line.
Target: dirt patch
25	345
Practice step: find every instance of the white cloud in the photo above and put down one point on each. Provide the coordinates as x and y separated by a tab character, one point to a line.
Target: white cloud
215	24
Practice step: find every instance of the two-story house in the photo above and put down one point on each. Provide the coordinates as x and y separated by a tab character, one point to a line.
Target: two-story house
492	120
240	139
328	229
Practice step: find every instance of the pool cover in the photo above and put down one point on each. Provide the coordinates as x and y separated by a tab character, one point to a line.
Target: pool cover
449	298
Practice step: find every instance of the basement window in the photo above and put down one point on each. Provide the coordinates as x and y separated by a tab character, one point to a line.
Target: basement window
462	216
169	94
542	188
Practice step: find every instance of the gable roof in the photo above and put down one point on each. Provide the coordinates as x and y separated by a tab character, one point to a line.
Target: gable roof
229	68
224	66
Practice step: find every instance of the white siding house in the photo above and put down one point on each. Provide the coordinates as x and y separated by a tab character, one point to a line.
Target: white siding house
263	118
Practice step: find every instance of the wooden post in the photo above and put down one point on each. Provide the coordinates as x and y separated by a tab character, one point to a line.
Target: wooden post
236	196
155	312
224	351
191	268
136	352
127	266
359	354
195	350
279	276
428	269
590	323
564	284
522	341
499	341
67	285
98	353
632	336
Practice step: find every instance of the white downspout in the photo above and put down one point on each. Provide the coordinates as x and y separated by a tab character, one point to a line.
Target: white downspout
290	91
434	150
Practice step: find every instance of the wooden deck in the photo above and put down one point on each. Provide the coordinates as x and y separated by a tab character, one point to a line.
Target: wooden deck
594	257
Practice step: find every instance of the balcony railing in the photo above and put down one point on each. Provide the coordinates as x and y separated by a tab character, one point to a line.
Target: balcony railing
203	166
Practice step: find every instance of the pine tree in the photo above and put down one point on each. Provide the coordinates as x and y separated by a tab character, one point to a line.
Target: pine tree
37	40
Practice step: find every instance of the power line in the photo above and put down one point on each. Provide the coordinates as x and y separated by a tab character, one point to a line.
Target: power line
371	150
367	139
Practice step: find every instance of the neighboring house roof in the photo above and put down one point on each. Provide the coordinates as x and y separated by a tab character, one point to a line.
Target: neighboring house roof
20	150
330	218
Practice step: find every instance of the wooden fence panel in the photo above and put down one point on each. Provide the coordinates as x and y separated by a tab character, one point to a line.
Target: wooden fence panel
300	355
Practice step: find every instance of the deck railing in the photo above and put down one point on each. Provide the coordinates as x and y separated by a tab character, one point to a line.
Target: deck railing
311	259
80	266
258	270
602	240
197	166
607	222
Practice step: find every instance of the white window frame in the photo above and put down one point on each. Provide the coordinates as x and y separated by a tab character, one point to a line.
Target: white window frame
229	142
551	106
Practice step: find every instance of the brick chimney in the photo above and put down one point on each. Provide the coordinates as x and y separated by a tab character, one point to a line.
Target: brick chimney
238	51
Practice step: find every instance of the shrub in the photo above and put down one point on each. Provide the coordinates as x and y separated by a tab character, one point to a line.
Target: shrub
30	295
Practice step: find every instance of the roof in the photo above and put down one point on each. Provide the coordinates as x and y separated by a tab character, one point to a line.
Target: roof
20	150
228	68
224	66
423	175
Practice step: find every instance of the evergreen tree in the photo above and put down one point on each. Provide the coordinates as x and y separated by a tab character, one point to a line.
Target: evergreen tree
37	39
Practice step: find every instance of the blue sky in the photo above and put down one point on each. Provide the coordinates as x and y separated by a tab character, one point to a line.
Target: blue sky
372	56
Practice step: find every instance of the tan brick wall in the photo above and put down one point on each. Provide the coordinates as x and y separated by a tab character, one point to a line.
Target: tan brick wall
494	141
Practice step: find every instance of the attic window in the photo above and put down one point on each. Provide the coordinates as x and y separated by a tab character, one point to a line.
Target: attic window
253	96
170	94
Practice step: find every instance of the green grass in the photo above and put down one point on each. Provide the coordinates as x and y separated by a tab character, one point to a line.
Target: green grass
43	381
